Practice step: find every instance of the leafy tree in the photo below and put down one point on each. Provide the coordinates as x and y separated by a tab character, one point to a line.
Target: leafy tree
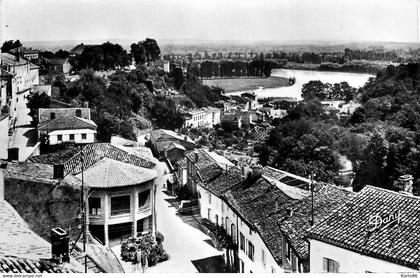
9	45
62	54
145	51
165	114
358	116
372	167
152	49
47	54
101	57
314	89
36	101
138	52
178	77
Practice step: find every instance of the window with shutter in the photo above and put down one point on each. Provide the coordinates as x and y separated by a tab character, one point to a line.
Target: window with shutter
251	250
288	251
263	258
329	265
242	241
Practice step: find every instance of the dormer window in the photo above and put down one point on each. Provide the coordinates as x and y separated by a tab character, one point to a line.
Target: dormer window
78	113
52	115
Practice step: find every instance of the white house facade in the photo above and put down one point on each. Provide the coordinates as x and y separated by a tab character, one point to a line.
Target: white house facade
326	257
378	231
77	136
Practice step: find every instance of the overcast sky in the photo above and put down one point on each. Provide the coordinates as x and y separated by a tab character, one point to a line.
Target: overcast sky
358	20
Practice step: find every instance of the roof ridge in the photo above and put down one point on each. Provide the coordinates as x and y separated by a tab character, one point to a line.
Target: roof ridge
108	165
214	160
390	191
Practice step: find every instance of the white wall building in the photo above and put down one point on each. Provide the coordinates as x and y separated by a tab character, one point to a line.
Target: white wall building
225	203
333	103
166	66
253	254
330	258
350	107
376	232
66	125
77	136
198	118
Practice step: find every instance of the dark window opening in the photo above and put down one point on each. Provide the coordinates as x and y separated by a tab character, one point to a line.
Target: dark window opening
330	265
288	251
94	206
250	250
120	205
242	241
79	113
144	200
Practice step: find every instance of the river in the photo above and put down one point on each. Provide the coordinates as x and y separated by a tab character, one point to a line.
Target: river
304	76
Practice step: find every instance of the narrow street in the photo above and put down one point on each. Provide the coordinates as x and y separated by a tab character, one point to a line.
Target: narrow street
182	242
24	137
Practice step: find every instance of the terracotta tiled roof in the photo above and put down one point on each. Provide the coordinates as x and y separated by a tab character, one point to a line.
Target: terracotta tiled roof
44	114
143	152
261	203
350	226
182	163
22	265
57	157
108	173
224	182
262	134
165	133
67	123
92	153
207	168
12	60
58	104
16	239
327	199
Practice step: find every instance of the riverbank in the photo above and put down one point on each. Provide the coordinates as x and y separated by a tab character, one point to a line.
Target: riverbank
245	84
355	66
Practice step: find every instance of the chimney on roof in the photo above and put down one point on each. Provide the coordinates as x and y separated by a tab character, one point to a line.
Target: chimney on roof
244	171
405	184
13	154
3	166
195	156
256	171
60	245
58	171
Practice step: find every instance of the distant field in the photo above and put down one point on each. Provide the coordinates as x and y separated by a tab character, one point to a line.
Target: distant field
244	84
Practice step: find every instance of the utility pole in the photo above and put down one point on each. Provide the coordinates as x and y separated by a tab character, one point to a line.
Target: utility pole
312	175
83	208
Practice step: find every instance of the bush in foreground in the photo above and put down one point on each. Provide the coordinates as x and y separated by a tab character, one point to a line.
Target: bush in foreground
153	249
